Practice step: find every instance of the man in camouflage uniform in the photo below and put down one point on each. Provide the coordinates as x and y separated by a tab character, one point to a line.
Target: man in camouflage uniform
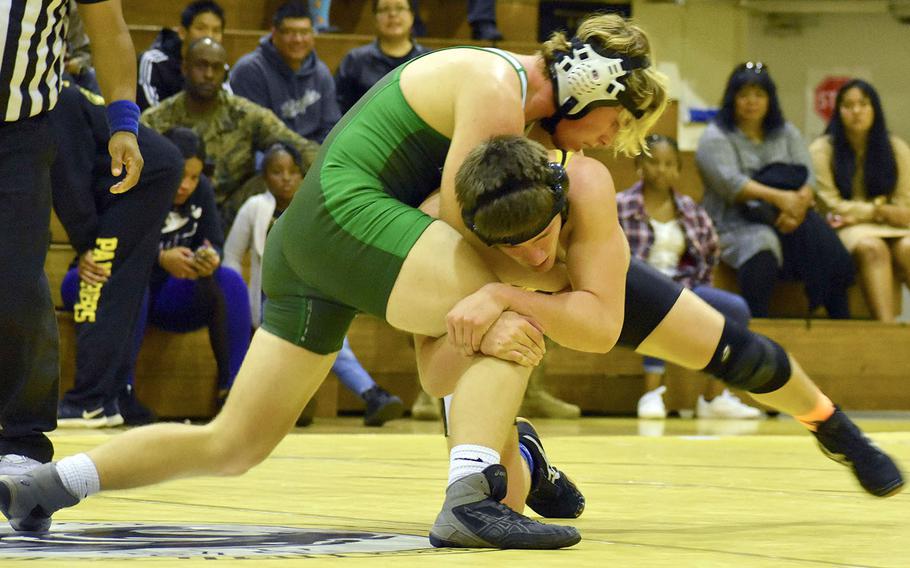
232	127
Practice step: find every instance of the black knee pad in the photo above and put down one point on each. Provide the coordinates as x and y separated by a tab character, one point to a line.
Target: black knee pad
749	361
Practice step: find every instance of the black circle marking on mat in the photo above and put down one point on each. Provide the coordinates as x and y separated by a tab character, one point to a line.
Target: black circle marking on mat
203	541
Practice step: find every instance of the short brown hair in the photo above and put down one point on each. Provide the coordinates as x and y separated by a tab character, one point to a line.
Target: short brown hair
503	188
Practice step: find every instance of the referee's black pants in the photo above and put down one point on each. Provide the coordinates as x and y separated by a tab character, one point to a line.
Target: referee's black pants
29	365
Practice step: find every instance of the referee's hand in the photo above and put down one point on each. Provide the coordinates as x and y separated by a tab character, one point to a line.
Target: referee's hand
124	150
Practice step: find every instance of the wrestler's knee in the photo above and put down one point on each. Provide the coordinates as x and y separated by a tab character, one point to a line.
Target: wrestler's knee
748	361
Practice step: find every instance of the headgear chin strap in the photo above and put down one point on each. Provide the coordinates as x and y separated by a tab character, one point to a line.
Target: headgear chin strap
557	181
587	77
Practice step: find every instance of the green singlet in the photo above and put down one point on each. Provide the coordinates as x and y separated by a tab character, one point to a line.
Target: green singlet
338	248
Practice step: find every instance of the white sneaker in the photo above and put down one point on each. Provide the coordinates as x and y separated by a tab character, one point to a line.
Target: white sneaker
725	405
651	404
14	464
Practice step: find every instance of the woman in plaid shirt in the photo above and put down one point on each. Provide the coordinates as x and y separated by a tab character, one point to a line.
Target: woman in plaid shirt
672	233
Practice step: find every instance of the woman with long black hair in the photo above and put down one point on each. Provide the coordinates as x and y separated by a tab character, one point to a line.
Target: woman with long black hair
758	191
863	179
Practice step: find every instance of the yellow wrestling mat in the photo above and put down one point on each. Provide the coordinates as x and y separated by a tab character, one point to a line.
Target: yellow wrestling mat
677	494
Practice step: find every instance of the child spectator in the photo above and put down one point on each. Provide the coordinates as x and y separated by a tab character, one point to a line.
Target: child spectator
669	231
189	288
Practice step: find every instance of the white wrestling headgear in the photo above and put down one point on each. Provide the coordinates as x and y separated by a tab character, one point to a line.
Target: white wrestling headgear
587	77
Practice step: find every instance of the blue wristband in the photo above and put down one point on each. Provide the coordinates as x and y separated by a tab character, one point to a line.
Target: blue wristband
123	116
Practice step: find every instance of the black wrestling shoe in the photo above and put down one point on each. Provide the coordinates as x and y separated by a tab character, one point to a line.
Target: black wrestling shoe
552	494
29	500
842	441
473	517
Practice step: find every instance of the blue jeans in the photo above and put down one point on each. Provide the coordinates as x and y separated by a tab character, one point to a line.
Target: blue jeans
731	305
350	372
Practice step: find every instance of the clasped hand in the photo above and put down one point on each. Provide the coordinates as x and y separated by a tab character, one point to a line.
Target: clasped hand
182	262
793	206
481	323
516	338
92	272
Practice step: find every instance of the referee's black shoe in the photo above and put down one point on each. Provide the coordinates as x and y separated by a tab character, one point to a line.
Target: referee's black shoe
552	494
842	441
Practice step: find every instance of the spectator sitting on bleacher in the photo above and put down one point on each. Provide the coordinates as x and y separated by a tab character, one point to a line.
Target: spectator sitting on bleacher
77	62
768	229
671	232
284	74
160	74
115	237
363	66
189	289
282	173
232	128
863	179
481	16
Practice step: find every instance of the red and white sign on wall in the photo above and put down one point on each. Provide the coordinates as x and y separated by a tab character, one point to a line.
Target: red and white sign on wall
825	93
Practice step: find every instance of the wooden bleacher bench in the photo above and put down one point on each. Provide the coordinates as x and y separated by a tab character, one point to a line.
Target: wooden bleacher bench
249	20
175	372
860	364
330	48
517	19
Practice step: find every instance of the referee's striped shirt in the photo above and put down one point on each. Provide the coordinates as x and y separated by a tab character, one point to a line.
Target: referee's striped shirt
32	34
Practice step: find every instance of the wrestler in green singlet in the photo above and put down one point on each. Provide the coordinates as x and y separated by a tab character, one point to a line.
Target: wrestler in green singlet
340	245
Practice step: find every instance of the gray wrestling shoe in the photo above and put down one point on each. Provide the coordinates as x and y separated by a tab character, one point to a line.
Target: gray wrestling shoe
473	517
29	500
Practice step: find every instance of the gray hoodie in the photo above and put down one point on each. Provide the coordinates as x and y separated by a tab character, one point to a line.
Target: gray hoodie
304	99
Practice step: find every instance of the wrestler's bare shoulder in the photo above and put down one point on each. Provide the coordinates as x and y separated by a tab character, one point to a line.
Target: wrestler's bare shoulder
589	179
434	83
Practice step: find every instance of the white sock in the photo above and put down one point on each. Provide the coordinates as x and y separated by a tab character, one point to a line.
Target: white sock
79	476
467	459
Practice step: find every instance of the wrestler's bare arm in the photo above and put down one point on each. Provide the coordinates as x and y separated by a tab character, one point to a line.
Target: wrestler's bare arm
589	317
487	104
115	59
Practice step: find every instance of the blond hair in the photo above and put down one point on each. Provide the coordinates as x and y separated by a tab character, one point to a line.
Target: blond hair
648	86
